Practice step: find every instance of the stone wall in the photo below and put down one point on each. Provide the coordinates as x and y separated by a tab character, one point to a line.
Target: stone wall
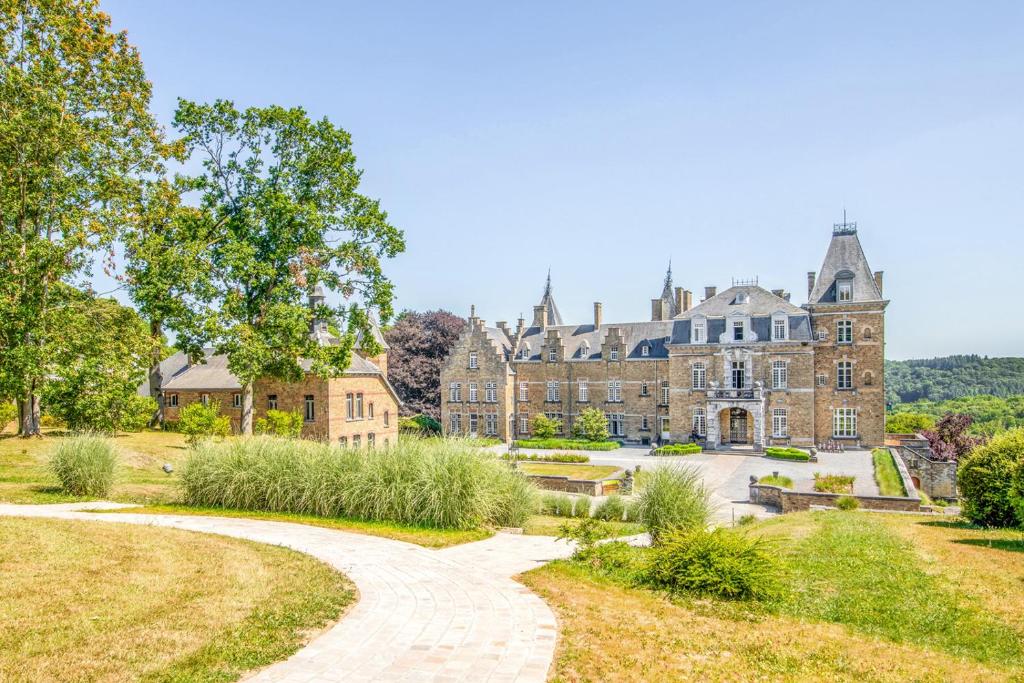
937	478
566	485
786	500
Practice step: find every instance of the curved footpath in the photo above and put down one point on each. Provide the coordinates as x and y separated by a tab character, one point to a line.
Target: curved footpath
441	615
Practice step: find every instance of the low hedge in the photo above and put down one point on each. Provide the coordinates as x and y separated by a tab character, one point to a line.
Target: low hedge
569	444
573	458
786	454
679	449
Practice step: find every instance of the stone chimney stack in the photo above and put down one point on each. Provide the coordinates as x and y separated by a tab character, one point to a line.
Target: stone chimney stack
878	280
658	311
684	299
597	314
540	316
520	326
810	283
710	292
503	326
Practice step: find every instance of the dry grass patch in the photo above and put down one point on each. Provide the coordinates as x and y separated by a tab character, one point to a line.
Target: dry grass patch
110	602
573	471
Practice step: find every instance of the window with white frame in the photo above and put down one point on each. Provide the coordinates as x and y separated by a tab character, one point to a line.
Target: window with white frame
359	406
700	334
455	423
271	402
310	408
844	375
844	422
780	328
553	393
172	400
737	330
780	374
613	354
350	406
584	390
645	424
369	410
355	441
643	388
664	393
236	400
491	392
700	375
700	421
614	390
821	380
524	391
844	332
204	399
821	335
739	372
584	350
474	422
844	290
552	354
524	423
645	350
780	422
473	363
371	440
664	424
616	424
490	424
454	392
524	351
387	418
472	392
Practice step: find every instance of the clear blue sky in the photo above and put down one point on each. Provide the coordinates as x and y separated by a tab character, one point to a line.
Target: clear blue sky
600	139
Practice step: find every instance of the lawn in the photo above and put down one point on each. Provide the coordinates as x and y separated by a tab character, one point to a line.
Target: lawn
573	471
888	477
875	597
95	601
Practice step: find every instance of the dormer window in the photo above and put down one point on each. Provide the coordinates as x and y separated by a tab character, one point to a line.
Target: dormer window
844	290
613	354
737	330
780	327
584	350
645	350
700	335
524	352
552	354
742	298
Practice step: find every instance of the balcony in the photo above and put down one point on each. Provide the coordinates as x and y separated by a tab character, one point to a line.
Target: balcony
755	394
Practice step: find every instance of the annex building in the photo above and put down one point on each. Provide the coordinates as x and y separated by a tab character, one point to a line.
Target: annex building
741	366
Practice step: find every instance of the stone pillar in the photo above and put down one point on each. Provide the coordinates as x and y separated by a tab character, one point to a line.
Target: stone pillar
714	430
758	413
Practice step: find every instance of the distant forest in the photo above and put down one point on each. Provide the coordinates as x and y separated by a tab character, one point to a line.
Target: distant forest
942	379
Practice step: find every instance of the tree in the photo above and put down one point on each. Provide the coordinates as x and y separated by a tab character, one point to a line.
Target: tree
75	136
950	439
97	363
592	425
986	479
545	427
419	344
908	423
279	215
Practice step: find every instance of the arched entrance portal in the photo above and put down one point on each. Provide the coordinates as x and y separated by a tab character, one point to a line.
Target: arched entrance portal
737	426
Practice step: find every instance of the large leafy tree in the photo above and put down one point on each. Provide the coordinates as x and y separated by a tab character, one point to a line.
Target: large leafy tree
75	136
279	213
419	343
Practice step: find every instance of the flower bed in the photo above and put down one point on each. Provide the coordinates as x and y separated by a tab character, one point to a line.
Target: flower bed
786	454
551	457
568	444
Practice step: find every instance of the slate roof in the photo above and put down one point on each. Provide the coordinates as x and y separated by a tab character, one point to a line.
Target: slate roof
655	334
844	254
759	302
502	342
210	375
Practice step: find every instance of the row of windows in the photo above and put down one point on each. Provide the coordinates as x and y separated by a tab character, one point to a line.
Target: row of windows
357	441
490	392
353	405
583	354
473	424
553	391
616	423
844	332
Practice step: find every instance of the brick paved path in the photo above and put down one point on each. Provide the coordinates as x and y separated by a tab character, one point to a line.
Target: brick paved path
439	615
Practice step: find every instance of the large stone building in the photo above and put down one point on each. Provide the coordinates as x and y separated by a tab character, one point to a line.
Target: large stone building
742	366
358	409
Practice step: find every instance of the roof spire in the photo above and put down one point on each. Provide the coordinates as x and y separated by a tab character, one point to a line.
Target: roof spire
548	302
547	286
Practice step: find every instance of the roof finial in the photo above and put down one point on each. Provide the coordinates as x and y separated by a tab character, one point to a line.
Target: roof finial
668	275
472	310
547	286
844	228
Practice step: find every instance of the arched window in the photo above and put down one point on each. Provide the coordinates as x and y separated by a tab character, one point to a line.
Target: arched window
869	378
584	350
524	351
867	333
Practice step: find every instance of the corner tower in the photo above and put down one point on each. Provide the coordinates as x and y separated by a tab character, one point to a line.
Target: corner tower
847	313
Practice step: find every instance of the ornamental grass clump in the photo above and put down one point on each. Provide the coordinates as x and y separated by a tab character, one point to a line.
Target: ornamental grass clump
611	509
673	497
85	465
436	483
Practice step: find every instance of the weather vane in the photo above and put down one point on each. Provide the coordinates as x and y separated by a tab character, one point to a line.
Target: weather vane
844	228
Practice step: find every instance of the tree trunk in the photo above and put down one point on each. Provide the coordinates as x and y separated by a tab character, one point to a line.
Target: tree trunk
28	411
247	409
155	376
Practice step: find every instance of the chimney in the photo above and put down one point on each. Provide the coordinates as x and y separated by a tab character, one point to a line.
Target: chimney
520	326
503	326
540	316
878	280
687	301
810	283
778	292
597	314
710	292
657	310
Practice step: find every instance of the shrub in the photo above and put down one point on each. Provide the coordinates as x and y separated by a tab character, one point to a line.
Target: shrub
568	444
8	414
620	561
786	454
135	414
586	533
50	421
988	478
847	503
745	520
591	425
833	483
280	423
197	421
545	427
773	480
908	423
563	506
552	457
718	563
437	483
679	449
673	498
85	465
422	424
611	509
581	507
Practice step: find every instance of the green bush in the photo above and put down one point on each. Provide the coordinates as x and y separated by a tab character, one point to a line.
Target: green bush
85	465
847	503
679	449
673	498
619	561
8	414
786	454
591	425
568	444
611	509
908	423
586	533
581	507
280	423
552	457
197	421
437	483
544	427
423	424
718	563
989	479
780	481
